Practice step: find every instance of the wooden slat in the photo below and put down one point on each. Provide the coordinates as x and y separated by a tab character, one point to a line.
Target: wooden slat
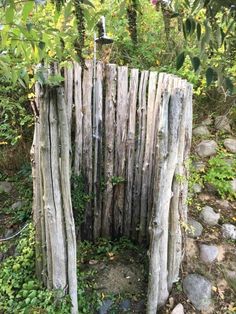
97	158
78	118
87	231
139	151
109	136
148	156
120	148
130	157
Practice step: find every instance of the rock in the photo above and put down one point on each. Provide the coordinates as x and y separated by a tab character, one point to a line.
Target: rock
125	305
5	186
8	233
229	231
223	204
222	124
199	166
206	148
233	185
197	188
139	307
203	197
105	307
198	290
179	309
207	121
230	145
201	130
17	205
210	188
208	253
209	216
195	228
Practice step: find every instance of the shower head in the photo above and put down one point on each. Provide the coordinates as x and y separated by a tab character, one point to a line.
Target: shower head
102	39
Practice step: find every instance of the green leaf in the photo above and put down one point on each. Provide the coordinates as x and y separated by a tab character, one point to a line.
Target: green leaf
89	3
29	26
41	45
229	85
9	15
28	7
188	26
199	31
180	60
209	76
196	63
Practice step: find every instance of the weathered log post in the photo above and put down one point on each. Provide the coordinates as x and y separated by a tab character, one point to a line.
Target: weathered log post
53	216
172	148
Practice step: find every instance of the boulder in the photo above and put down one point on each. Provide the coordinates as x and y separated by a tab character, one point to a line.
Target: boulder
125	305
222	124
198	290
207	121
229	231
201	130
199	166
209	216
230	145
208	253
5	187
105	307
197	188
195	228
179	309
206	148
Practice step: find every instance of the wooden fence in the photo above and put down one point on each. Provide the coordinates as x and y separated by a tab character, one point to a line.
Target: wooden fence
118	114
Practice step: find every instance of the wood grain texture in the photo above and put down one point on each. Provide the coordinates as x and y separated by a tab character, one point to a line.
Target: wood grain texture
130	154
120	149
109	146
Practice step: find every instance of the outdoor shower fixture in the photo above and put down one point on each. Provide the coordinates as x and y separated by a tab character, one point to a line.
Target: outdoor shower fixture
102	39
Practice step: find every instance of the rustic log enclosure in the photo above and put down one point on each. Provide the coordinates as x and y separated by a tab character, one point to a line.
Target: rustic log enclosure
131	136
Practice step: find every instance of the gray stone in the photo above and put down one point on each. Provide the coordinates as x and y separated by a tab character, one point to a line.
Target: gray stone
208	253
230	145
125	305
198	290
229	231
223	204
195	228
17	205
5	186
233	184
105	307
209	216
199	166
206	148
197	188
207	121
8	233
201	131
179	309
222	124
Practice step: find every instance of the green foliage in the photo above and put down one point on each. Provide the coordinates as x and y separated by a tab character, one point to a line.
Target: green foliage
117	180
220	172
79	197
15	117
20	292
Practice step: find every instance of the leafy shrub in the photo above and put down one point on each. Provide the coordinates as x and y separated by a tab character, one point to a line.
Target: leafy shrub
20	292
220	172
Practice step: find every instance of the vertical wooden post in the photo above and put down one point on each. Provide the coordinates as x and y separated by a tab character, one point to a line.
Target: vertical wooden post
139	152
109	138
97	156
132	105
87	229
120	149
